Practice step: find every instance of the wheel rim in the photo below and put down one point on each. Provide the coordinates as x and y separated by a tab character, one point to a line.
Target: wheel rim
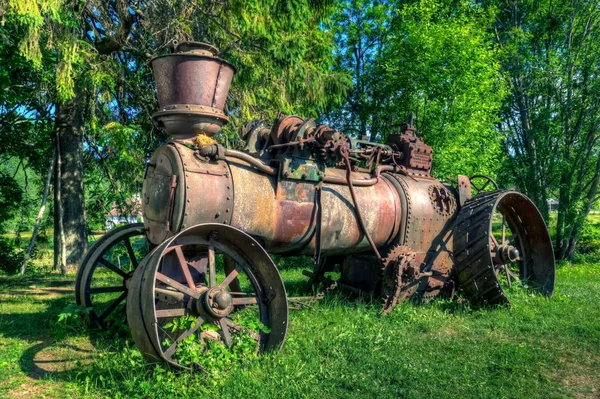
103	277
501	241
181	298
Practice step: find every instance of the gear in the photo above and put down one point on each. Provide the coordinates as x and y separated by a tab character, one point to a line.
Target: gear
397	272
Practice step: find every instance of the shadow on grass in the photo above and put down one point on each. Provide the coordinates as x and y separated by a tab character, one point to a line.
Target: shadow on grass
59	350
63	352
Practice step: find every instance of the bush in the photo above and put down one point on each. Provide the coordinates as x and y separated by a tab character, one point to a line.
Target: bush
11	257
589	239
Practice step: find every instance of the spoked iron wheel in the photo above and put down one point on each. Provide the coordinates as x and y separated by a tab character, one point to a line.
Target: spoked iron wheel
481	184
103	276
500	243
182	300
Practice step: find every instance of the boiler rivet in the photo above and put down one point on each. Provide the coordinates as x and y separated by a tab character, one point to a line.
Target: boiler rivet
226	210
228	198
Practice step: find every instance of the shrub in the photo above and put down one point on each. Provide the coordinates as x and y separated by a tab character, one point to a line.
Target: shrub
11	257
589	239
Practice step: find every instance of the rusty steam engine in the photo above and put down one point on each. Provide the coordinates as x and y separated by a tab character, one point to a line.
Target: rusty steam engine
370	211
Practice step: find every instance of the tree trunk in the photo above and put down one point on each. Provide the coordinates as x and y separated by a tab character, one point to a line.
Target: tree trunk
68	129
40	213
60	210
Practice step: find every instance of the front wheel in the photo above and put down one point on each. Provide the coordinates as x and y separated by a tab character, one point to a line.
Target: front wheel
183	300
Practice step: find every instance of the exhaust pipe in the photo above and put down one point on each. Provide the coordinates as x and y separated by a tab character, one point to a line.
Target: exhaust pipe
192	85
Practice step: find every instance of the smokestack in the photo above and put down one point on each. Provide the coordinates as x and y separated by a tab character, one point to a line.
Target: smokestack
192	84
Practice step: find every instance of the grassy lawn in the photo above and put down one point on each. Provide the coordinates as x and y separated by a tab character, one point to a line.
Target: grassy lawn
538	348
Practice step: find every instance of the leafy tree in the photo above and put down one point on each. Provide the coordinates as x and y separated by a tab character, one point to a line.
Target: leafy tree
361	29
93	56
433	58
551	119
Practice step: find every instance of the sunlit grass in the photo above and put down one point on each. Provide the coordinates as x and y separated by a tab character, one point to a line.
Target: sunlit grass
538	348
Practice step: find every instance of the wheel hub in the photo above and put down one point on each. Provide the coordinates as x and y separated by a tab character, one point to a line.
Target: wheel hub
216	302
508	254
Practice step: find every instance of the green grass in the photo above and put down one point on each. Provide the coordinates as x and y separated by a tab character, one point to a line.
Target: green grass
538	348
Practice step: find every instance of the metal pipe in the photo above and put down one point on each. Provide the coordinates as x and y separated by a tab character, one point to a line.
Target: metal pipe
363	182
359	217
213	150
251	160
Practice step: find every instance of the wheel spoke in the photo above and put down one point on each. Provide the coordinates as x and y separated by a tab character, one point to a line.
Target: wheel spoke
169	352
162	313
113	306
239	329
113	267
230	266
503	230
212	269
225	332
230	277
180	287
475	187
485	185
494	241
513	275
244	301
507	275
134	261
185	269
104	290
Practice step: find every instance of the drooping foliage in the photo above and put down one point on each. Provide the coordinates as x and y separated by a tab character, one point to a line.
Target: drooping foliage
92	57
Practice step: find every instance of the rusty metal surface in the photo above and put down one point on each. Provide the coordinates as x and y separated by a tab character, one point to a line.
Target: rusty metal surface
203	192
192	85
428	229
464	189
478	254
417	156
163	195
399	276
282	214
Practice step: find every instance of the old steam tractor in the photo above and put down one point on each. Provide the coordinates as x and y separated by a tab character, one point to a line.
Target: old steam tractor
370	211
